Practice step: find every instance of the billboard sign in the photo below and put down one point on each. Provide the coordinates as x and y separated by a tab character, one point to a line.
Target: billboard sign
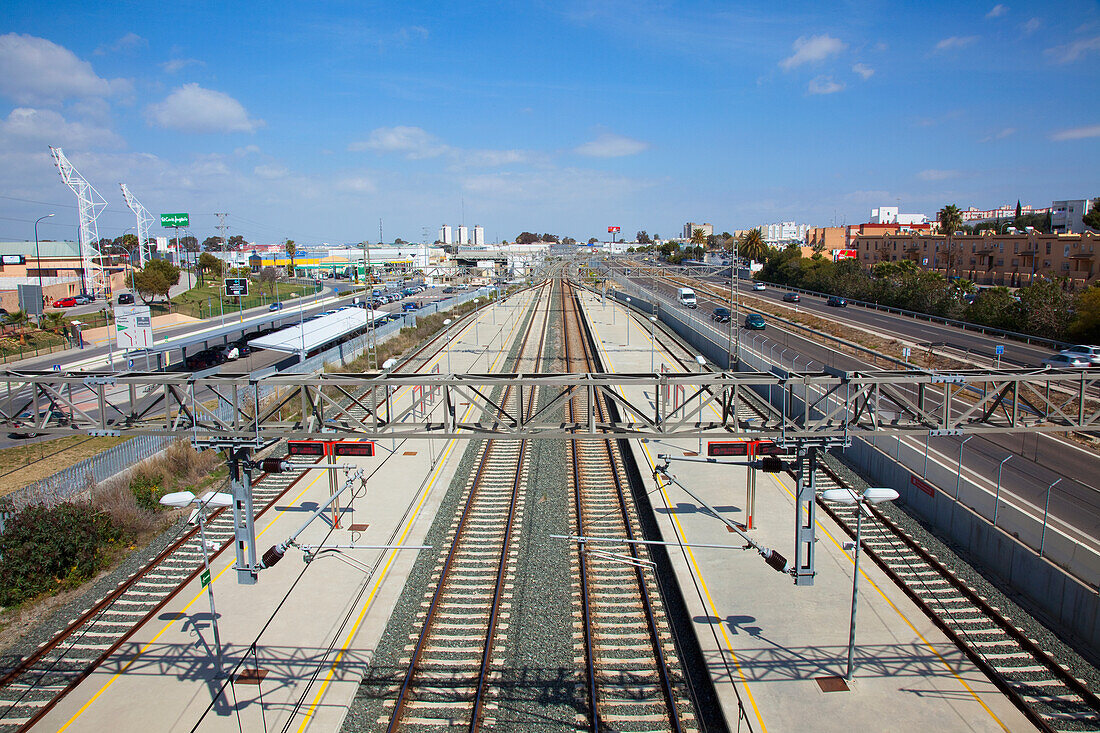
30	299
236	286
175	220
614	230
133	327
13	260
845	254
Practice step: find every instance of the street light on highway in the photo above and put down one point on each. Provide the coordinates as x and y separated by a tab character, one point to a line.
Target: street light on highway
209	500
862	502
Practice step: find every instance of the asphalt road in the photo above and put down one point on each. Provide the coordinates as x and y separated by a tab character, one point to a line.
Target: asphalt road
1038	459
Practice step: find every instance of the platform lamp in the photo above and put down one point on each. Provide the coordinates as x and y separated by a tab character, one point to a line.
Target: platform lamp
447	324
38	262
209	500
862	501
652	339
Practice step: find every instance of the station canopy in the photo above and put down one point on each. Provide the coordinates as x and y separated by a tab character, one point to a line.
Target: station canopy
321	330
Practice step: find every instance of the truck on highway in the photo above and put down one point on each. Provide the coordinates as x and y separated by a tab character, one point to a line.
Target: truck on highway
686	297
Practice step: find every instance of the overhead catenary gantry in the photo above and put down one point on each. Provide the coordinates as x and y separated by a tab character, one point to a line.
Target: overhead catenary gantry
144	220
822	409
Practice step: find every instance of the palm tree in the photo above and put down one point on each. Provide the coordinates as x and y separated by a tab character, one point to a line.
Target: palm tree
698	236
54	321
950	219
291	249
752	246
18	321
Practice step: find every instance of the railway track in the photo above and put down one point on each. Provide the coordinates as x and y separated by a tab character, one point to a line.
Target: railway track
632	669
1046	692
453	652
37	683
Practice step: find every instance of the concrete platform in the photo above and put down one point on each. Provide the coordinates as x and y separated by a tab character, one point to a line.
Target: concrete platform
313	626
766	641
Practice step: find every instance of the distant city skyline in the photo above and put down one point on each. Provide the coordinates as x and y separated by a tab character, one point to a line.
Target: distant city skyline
312	122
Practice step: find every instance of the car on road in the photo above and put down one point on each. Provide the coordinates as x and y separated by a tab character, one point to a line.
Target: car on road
759	287
755	322
836	301
125	299
721	315
64	303
1092	353
791	297
275	306
26	419
1067	361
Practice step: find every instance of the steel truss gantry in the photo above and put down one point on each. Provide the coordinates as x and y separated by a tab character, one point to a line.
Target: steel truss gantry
89	205
818	408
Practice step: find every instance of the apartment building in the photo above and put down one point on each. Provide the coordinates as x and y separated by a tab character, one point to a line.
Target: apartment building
1013	260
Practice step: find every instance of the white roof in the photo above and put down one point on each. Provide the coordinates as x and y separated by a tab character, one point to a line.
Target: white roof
311	334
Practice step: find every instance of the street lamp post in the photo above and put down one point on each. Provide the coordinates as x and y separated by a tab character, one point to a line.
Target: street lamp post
38	263
997	495
862	502
447	323
628	322
652	341
214	501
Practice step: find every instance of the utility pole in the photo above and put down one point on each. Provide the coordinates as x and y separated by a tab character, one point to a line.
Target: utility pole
222	227
368	294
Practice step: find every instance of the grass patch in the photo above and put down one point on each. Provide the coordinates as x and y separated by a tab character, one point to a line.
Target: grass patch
208	300
22	465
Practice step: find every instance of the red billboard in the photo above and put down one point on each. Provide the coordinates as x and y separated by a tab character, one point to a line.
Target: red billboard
845	254
613	230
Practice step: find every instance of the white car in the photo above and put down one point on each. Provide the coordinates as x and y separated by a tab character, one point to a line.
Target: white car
1067	361
1092	353
759	286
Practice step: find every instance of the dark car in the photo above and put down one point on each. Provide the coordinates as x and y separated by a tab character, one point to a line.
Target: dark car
791	297
410	306
836	301
721	315
83	298
125	298
755	322
26	419
275	306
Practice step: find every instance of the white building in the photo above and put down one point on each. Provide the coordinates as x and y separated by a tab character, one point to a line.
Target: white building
783	232
1066	216
445	234
890	215
463	235
690	227
479	236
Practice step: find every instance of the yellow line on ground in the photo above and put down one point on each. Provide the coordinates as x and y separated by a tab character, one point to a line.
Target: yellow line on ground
167	626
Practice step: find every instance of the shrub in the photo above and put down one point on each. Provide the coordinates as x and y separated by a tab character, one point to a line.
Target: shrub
43	547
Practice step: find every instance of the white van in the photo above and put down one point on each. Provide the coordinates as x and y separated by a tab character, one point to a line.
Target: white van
687	297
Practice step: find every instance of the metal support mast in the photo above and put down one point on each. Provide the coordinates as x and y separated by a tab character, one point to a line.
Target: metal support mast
95	280
223	228
244	530
144	219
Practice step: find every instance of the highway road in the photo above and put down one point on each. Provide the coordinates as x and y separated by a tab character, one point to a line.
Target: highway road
1038	459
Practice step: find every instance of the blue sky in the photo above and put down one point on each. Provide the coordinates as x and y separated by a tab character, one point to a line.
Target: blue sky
314	122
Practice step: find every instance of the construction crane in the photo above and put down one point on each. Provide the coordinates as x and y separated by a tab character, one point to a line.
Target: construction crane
144	219
90	204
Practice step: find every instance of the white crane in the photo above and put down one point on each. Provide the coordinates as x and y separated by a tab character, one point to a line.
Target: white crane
144	219
95	279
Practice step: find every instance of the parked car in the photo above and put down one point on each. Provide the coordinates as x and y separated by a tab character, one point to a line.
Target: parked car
791	297
275	306
243	349
755	322
759	286
1092	353
721	315
410	306
83	299
448	290
125	298
836	301
1067	361
64	303
26	419
229	352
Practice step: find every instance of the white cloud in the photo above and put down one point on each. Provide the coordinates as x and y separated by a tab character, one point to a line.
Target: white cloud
43	127
36	71
172	66
997	11
863	70
610	145
999	135
415	143
1031	26
1077	133
356	184
270	172
954	42
824	85
129	42
491	158
1071	52
812	49
191	108
933	174
246	150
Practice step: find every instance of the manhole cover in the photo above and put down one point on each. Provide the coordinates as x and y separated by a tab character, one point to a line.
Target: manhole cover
251	676
831	684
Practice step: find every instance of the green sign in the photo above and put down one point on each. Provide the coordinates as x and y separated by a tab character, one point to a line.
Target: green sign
175	220
205	578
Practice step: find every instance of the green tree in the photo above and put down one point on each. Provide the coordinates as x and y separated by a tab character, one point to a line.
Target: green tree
1086	321
291	249
698	236
212	244
1019	210
1047	308
527	238
54	322
1092	218
18	320
156	278
752	246
236	242
210	263
995	307
592	240
642	238
268	277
